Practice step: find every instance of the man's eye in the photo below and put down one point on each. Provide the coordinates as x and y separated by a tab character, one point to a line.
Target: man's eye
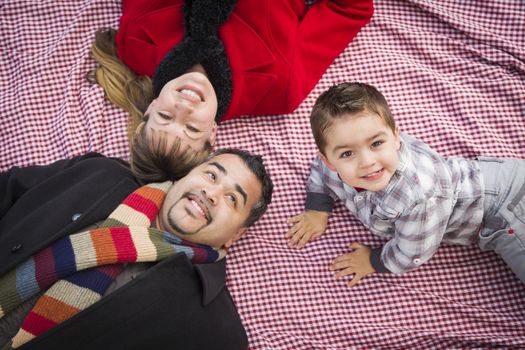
232	199
347	154
211	175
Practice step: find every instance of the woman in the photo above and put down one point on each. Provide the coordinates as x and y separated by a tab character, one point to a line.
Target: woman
253	57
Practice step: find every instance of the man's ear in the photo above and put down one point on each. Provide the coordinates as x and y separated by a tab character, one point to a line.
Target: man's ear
326	162
236	237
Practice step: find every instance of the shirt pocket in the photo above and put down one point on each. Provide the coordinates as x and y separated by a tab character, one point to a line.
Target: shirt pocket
382	222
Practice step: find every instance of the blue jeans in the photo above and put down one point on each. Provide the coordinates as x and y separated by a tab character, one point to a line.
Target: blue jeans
504	211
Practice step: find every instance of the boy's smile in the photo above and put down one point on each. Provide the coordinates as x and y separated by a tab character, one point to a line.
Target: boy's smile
362	149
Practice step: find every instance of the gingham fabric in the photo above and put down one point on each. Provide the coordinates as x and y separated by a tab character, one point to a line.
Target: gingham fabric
429	200
454	75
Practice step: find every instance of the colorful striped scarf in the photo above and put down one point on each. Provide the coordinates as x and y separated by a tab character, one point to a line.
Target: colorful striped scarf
76	270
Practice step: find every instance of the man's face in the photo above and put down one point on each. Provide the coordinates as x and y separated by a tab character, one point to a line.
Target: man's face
362	149
211	203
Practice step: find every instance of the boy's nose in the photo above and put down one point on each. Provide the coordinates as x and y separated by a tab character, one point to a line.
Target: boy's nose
366	160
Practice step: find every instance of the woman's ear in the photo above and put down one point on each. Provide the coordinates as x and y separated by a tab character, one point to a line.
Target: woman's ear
327	162
213	135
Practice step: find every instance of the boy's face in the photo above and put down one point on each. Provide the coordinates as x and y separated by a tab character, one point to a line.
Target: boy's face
362	149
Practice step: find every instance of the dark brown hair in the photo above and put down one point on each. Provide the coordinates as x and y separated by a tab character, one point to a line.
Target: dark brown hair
343	100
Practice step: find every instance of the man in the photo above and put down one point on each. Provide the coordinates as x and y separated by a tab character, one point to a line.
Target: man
169	304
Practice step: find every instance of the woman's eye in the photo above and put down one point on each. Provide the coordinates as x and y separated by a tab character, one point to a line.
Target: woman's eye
192	129
164	116
347	154
211	175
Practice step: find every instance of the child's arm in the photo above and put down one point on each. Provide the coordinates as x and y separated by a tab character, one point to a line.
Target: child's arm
417	237
306	226
356	263
319	203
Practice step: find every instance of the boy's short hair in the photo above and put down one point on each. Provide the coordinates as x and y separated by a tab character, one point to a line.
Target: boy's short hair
346	99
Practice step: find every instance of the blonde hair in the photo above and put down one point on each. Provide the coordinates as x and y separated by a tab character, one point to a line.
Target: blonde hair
122	86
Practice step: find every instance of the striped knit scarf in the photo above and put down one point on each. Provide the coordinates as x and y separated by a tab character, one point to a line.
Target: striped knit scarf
76	270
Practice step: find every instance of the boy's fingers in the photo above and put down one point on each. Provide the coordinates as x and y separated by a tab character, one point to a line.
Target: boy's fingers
303	241
294	219
340	258
345	272
295	238
356	245
357	278
295	228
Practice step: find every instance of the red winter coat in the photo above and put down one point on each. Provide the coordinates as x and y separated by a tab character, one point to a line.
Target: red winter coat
278	49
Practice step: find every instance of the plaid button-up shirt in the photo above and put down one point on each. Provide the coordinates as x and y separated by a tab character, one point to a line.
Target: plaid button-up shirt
429	199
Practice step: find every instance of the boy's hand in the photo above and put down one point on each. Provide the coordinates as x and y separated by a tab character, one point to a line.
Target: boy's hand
306	226
356	262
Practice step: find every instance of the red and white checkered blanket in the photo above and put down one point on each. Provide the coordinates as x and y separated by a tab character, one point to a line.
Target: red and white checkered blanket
454	74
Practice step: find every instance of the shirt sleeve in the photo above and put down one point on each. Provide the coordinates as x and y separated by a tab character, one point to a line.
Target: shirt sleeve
418	234
324	32
15	182
318	195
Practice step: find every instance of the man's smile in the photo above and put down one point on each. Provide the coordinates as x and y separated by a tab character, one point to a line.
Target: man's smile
198	206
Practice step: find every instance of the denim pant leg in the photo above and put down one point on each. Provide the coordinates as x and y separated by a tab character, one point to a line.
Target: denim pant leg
504	211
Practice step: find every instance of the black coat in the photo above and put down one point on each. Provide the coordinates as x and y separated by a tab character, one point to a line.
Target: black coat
174	304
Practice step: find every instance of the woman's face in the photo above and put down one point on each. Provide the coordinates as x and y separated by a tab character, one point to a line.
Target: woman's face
185	108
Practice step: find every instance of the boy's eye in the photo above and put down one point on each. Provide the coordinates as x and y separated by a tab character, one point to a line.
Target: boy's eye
347	154
377	143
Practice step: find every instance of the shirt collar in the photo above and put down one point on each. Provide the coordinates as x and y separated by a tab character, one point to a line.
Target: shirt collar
213	278
404	159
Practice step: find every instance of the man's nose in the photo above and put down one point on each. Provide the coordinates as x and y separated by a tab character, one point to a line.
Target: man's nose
211	194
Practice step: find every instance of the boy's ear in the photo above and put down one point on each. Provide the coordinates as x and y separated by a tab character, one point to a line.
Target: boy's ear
398	139
326	162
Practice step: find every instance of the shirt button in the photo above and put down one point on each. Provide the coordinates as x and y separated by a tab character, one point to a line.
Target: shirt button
16	247
359	197
417	261
75	217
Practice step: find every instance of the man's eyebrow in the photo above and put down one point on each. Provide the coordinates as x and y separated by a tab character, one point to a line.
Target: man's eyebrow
242	192
220	167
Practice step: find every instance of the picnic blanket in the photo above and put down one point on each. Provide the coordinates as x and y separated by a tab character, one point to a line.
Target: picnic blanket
454	75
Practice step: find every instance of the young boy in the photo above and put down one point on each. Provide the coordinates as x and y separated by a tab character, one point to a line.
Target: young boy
401	189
